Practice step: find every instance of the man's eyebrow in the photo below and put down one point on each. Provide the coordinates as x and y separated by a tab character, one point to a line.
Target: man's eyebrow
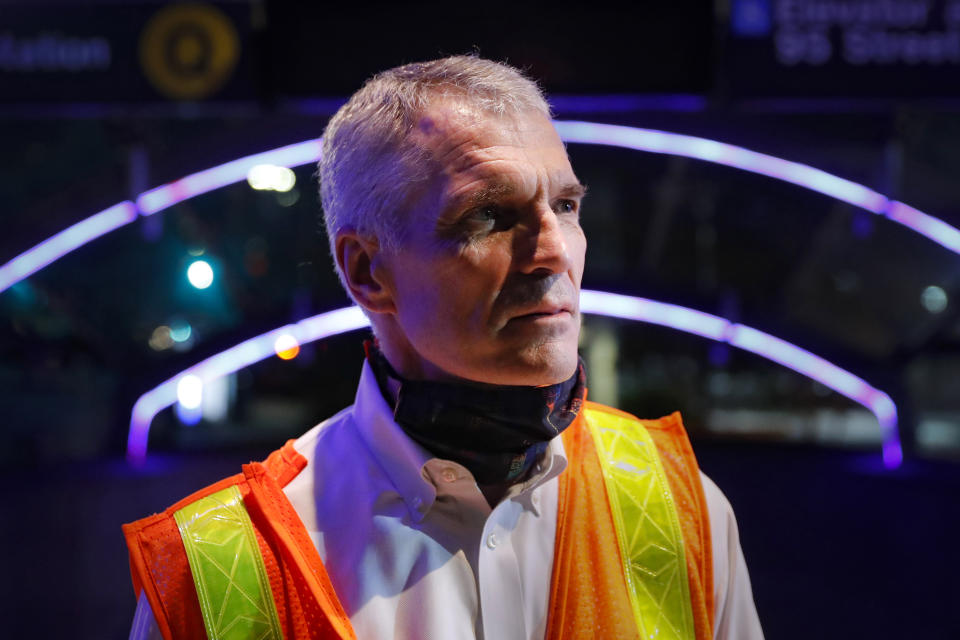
483	195
494	190
572	190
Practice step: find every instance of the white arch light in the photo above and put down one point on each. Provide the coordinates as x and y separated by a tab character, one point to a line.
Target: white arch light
649	140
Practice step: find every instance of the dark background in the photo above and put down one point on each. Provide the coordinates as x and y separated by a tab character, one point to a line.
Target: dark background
838	545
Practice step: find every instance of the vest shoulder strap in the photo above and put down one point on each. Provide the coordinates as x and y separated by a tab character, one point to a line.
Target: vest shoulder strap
589	593
647	526
227	568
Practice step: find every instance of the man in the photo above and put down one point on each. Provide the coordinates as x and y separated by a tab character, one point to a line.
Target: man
469	492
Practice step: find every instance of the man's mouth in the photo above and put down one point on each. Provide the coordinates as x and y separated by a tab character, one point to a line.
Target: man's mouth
544	311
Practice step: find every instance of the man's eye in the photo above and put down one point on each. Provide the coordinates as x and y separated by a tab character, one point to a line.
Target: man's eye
565	206
486	212
494	216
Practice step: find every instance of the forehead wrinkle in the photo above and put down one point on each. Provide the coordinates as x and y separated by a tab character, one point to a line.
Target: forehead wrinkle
480	158
447	128
456	155
495	177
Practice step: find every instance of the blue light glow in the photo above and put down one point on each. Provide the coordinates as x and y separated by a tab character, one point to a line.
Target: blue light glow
593	302
181	331
200	274
189	416
751	18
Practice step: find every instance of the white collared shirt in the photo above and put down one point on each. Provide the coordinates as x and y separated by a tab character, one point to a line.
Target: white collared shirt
414	550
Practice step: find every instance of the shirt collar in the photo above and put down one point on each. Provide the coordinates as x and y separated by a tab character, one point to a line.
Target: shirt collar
403	460
400	457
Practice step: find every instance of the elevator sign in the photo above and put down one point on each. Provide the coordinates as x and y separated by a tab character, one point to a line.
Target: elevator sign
844	48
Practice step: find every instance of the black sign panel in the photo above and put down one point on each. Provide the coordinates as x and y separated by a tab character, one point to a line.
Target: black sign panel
122	53
844	48
329	49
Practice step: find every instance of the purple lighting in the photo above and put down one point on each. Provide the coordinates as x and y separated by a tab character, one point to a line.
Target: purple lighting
148	203
892	454
730	155
933	228
668	315
721	153
196	184
625	103
51	249
593	302
761	344
829	375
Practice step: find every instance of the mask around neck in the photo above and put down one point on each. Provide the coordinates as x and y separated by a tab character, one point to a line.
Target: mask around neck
497	432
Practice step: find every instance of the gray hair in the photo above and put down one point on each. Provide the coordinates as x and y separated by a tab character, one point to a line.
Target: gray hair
370	171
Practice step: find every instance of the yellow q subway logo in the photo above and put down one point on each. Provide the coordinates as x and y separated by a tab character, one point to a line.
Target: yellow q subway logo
188	51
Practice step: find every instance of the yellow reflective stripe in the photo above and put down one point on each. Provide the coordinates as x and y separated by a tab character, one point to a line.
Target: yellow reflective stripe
647	525
228	569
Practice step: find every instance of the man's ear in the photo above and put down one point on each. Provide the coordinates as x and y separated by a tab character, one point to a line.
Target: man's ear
360	260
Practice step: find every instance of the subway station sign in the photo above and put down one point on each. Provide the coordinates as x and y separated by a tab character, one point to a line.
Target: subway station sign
844	48
113	51
124	53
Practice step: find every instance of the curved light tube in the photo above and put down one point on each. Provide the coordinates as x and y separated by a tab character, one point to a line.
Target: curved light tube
649	140
593	302
74	237
654	141
762	344
802	175
195	184
233	359
148	203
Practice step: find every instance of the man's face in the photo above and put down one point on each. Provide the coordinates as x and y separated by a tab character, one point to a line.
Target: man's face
486	283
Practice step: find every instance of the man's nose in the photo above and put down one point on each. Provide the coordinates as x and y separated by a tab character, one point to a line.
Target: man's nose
544	245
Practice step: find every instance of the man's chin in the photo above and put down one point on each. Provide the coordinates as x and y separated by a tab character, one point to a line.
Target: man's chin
538	369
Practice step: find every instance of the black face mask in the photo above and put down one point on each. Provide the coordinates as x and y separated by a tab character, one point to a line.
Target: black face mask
497	432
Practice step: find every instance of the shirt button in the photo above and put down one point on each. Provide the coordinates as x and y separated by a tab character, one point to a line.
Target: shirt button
493	541
535	498
448	475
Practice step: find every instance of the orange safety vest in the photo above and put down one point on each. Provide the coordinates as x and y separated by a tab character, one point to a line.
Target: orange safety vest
589	595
